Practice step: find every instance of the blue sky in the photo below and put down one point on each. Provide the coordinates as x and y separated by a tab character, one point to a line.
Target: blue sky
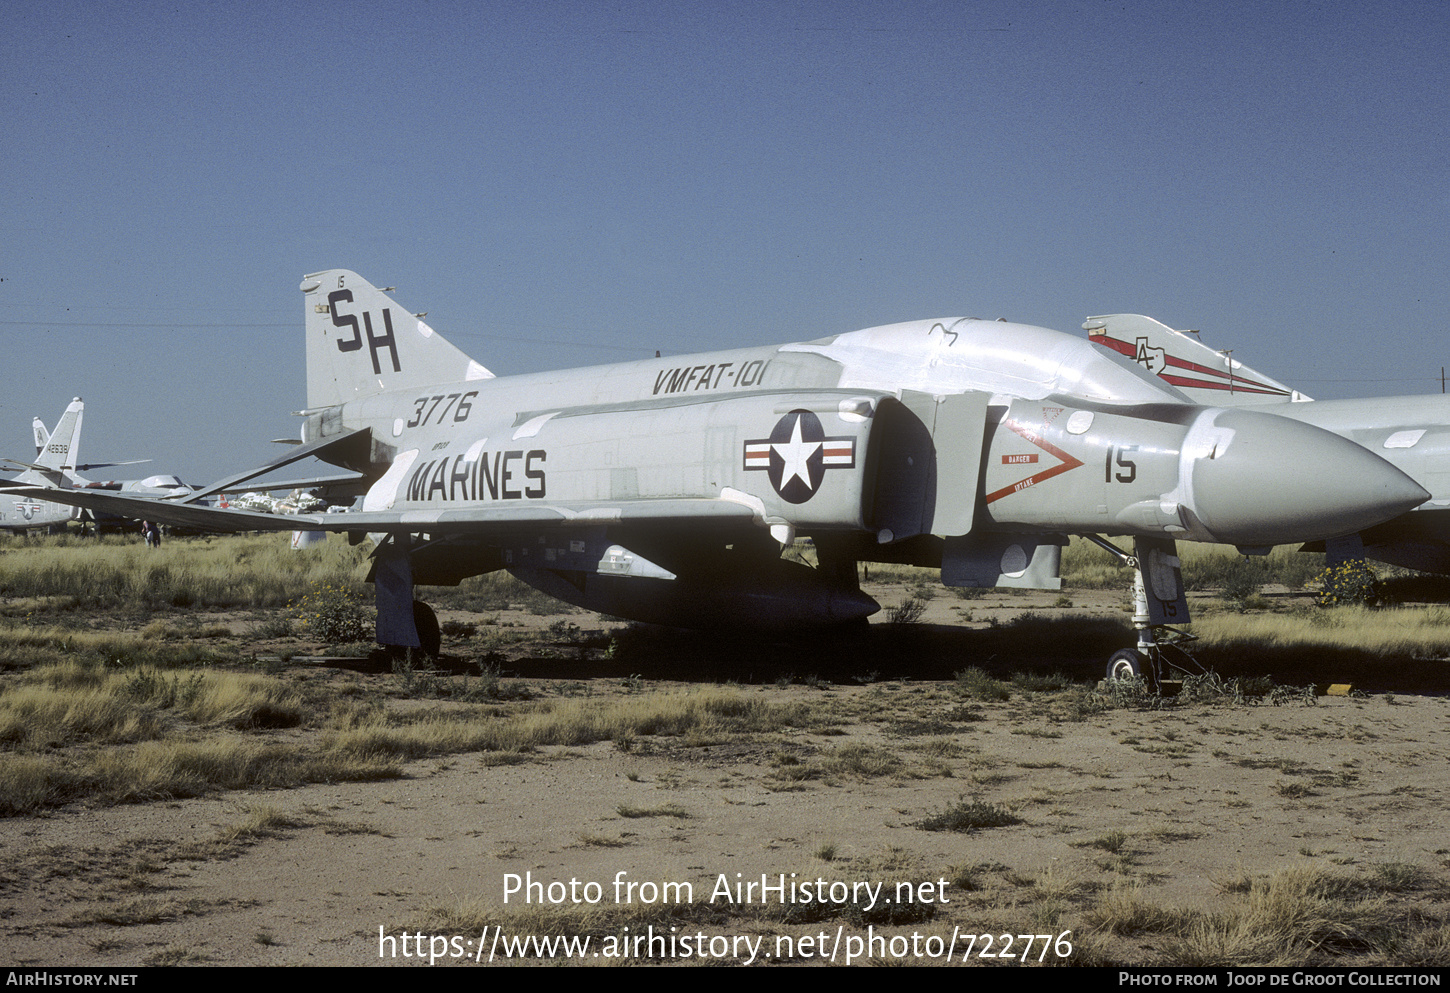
569	183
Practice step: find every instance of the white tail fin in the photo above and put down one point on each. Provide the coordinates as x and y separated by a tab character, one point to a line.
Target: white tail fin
64	443
56	458
360	342
1179	358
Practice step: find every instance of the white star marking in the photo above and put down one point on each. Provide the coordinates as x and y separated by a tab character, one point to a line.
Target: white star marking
795	453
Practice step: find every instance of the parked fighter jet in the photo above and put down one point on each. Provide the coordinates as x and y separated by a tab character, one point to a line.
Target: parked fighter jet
1410	432
664	490
56	464
55	454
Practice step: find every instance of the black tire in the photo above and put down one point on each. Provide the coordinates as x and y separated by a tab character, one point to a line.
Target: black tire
1125	664
430	639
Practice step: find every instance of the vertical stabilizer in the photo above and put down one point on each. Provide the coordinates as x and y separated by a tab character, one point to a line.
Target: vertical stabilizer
55	459
360	342
1208	376
59	452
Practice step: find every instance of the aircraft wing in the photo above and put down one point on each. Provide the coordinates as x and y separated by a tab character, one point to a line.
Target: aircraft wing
144	508
301	483
354	442
503	519
36	467
108	465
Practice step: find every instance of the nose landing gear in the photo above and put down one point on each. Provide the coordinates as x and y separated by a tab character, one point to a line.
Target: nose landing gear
1158	602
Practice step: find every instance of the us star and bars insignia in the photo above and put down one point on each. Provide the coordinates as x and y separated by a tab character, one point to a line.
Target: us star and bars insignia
797	455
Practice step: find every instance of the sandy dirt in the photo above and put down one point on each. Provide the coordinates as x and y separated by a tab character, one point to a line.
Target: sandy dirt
1175	803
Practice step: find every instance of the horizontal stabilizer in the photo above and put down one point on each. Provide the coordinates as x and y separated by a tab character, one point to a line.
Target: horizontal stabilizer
316	448
108	465
305	482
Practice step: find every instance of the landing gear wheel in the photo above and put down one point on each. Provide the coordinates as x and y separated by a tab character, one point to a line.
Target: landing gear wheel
1125	664
430	639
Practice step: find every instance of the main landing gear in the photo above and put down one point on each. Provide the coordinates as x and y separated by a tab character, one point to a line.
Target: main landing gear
430	637
1159	602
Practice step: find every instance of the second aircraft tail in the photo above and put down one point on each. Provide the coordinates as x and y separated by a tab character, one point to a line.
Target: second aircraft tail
1209	377
55	451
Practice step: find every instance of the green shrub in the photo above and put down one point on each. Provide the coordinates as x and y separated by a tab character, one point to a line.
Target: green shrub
335	615
967	817
1242	580
1349	582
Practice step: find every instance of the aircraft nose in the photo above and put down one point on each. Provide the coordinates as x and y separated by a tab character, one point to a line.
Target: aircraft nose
1261	479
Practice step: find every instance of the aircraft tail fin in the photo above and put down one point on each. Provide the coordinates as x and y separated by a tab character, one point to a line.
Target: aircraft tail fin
360	342
65	441
56	450
1208	376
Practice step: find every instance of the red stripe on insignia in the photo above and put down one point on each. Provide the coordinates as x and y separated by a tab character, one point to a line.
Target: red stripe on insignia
839	452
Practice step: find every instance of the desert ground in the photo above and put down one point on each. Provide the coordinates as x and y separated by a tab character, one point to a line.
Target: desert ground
945	788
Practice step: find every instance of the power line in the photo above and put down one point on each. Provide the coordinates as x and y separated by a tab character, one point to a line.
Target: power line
114	324
293	325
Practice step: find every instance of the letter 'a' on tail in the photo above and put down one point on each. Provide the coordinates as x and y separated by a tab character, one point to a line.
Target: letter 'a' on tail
1209	377
360	342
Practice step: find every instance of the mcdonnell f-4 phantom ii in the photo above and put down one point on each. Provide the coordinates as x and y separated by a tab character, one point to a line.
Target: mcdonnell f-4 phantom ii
665	490
1410	432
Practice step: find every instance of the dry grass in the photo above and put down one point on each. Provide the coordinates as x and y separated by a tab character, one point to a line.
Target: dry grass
1401	632
130	718
967	816
149	719
1086	566
697	716
23	645
73	701
667	810
245	571
857	760
1299	916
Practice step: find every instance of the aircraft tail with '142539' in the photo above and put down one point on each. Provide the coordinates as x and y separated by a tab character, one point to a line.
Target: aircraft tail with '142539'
1410	432
665	490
